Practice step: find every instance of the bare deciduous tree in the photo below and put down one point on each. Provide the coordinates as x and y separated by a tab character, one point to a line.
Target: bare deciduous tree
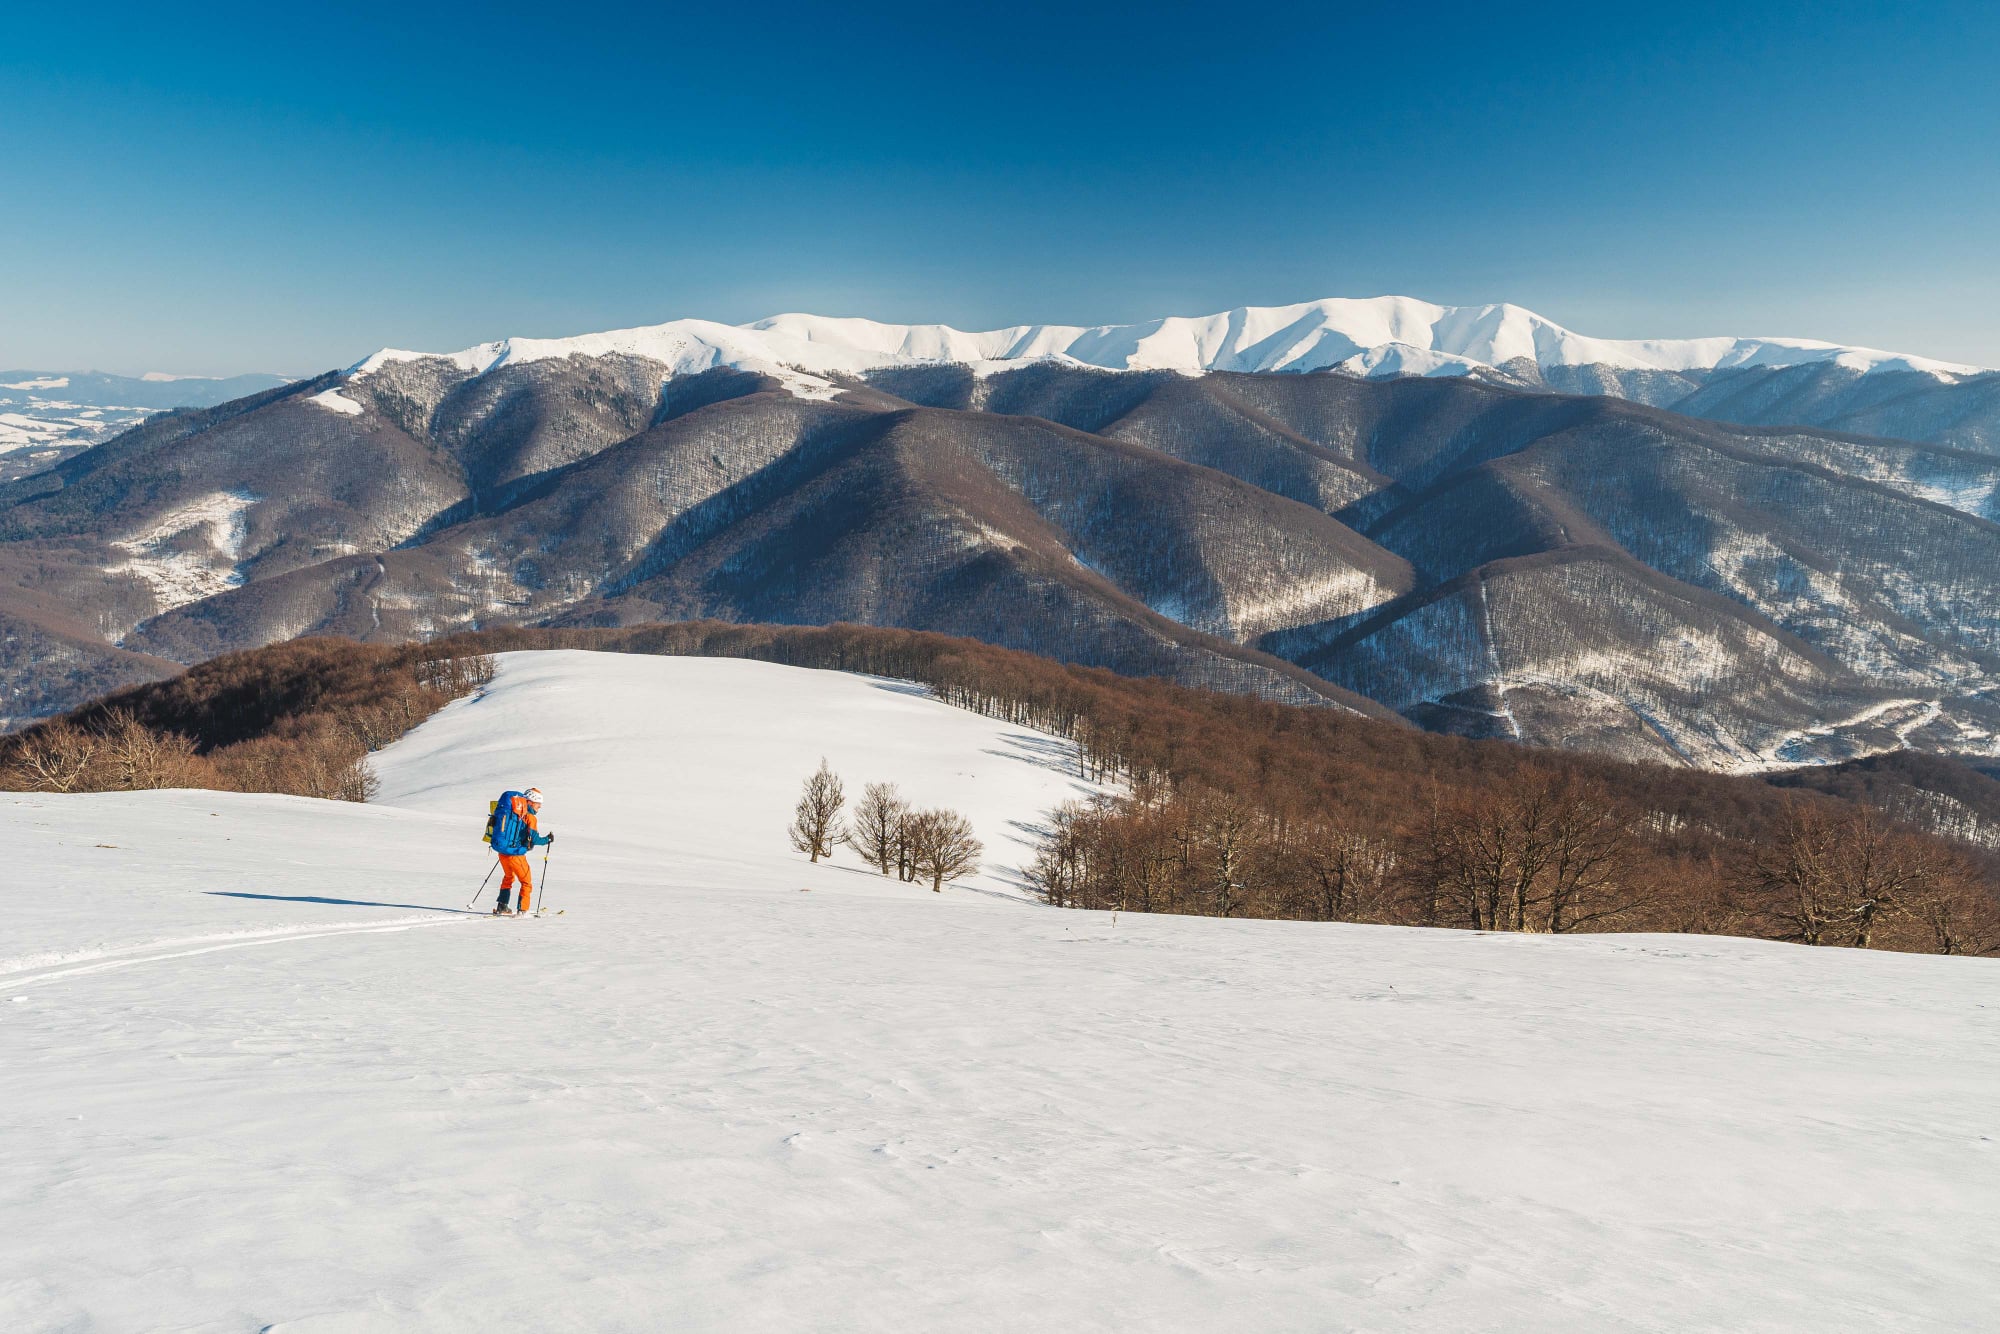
55	757
906	849
1334	873
1835	877
1592	846
818	813
1957	916
1223	827
942	848
1792	879
1551	855
1058	871
137	758
875	830
333	777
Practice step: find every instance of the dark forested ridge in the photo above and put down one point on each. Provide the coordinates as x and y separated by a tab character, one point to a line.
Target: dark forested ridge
1578	572
1237	806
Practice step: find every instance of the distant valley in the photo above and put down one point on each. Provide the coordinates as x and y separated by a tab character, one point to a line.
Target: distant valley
47	416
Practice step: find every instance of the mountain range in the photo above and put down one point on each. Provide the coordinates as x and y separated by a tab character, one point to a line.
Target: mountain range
1735	553
1759	381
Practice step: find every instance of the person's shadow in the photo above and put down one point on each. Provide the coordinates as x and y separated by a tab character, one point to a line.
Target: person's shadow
344	903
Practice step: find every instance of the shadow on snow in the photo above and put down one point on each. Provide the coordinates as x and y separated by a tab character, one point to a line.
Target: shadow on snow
345	903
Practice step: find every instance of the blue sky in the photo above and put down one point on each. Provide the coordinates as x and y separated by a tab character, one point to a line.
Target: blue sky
287	188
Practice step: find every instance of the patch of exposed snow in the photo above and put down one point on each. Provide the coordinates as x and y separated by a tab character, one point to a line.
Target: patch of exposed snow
44	382
1301	599
333	401
801	385
1975	496
17	430
177	570
1897	717
1394	359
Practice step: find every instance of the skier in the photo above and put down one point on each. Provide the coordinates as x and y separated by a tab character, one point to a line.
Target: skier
513	831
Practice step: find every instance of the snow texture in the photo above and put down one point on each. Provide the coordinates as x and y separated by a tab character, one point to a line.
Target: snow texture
263	1074
191	552
1376	337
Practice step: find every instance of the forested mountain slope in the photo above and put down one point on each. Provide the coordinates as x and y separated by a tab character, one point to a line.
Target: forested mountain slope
1569	570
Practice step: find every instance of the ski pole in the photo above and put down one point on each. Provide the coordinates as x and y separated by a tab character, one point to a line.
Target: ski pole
482	884
542	899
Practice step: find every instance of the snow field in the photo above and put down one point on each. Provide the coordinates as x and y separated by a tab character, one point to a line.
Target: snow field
704	1099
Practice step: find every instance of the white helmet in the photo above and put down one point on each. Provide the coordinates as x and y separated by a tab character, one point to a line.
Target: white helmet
534	796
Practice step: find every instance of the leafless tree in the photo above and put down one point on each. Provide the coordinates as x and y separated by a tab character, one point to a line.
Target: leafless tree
333	777
1836	877
456	676
906	848
942	848
1225	834
1957	916
54	757
1553	854
817	815
1333	873
875	830
1792	878
1592	848
1058	871
1428	873
136	757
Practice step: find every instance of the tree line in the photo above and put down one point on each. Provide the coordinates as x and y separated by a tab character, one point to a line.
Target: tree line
300	717
1557	854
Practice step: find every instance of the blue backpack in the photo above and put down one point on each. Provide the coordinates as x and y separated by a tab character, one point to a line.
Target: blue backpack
506	831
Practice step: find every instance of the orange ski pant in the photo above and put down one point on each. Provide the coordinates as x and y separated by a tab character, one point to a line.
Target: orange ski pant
514	866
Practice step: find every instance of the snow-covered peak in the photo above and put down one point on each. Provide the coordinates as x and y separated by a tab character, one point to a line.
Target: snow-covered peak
1376	337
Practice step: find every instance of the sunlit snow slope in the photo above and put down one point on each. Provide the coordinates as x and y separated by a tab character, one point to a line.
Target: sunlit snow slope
260	1072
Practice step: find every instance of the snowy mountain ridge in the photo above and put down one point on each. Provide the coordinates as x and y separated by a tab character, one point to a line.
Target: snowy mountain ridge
1376	337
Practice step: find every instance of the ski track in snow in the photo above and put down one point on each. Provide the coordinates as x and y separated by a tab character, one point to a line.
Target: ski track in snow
228	940
728	1090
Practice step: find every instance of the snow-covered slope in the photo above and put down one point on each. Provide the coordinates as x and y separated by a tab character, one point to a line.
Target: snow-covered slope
1379	336
261	1073
696	762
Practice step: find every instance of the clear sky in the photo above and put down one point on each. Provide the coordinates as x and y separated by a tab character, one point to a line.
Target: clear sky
211	189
